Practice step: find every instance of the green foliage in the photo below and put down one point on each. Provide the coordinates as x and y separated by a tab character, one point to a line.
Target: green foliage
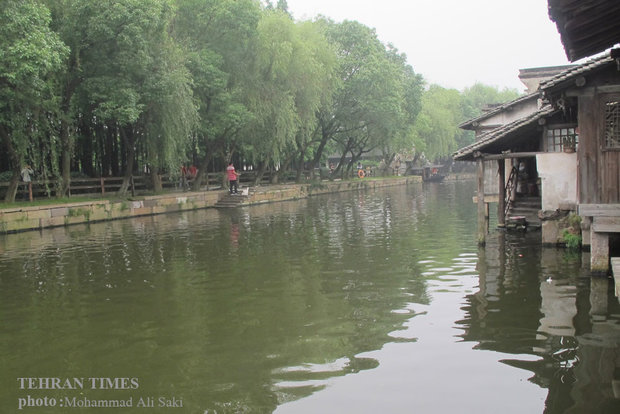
122	86
572	234
30	54
474	99
438	122
572	241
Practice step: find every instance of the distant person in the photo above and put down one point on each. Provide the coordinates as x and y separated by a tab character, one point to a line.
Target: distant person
26	172
183	179
192	171
232	178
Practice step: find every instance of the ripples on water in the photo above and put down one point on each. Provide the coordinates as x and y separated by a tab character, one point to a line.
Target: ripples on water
374	301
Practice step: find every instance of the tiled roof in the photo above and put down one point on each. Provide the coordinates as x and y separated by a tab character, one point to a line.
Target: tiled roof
578	70
499	109
586	27
494	136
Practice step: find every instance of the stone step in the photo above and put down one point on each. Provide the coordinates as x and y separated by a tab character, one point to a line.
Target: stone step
527	207
231	201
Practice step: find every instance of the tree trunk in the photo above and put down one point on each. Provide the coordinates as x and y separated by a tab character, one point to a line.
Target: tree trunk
156	179
300	165
276	177
325	135
14	163
65	160
342	158
261	171
128	138
202	172
11	190
66	139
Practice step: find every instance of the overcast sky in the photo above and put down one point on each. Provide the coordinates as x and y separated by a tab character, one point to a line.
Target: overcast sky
455	43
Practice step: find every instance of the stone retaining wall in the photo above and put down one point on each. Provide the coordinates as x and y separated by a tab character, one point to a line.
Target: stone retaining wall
39	217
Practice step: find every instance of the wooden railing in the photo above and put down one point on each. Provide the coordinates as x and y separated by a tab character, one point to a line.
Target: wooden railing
509	190
110	185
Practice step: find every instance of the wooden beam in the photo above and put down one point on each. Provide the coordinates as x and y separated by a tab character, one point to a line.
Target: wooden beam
490	157
488	198
482	218
606	224
599	210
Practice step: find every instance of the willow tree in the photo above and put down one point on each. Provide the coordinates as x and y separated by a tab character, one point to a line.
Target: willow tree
170	114
399	130
473	101
313	68
29	54
68	20
217	35
293	67
134	79
438	120
367	100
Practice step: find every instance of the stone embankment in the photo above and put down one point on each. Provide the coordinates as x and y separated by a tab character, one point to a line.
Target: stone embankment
19	219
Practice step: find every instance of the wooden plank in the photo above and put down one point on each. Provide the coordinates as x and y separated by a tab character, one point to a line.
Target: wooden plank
610	161
606	224
587	152
599	210
488	198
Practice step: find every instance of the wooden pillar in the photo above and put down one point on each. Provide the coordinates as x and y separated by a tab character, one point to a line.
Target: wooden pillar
501	204
599	252
482	217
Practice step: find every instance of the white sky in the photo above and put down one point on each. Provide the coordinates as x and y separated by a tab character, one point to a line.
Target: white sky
455	43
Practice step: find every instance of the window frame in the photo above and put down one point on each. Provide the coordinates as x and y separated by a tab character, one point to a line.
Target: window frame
571	130
606	99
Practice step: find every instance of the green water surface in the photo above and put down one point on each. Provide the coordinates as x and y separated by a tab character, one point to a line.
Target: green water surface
360	302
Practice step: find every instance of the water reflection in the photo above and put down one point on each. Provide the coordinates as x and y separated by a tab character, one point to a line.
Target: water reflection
573	327
374	301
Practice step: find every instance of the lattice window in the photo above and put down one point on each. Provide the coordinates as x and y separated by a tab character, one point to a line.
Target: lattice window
612	124
558	138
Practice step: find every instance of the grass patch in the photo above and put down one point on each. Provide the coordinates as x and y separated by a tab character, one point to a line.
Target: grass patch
49	202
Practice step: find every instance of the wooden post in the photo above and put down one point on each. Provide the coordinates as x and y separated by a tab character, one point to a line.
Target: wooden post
501	205
482	219
133	187
30	191
102	186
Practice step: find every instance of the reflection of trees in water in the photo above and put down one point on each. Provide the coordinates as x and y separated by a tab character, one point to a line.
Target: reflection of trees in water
539	302
243	308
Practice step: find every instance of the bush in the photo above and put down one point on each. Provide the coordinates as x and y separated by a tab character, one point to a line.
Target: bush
6	175
572	240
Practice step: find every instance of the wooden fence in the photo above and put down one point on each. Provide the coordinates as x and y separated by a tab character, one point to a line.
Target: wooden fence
109	185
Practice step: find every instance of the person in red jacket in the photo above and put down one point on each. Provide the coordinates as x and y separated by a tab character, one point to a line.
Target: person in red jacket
232	178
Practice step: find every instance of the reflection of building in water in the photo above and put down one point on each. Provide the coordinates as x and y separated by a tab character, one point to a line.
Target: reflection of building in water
597	387
565	328
558	296
558	308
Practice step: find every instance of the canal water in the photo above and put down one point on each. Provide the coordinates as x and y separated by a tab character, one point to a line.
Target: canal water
359	302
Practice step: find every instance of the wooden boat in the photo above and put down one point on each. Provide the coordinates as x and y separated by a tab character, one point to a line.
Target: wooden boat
432	174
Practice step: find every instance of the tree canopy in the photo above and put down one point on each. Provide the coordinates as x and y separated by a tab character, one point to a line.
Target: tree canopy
124	87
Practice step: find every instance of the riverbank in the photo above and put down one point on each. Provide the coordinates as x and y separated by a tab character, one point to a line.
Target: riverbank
27	218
